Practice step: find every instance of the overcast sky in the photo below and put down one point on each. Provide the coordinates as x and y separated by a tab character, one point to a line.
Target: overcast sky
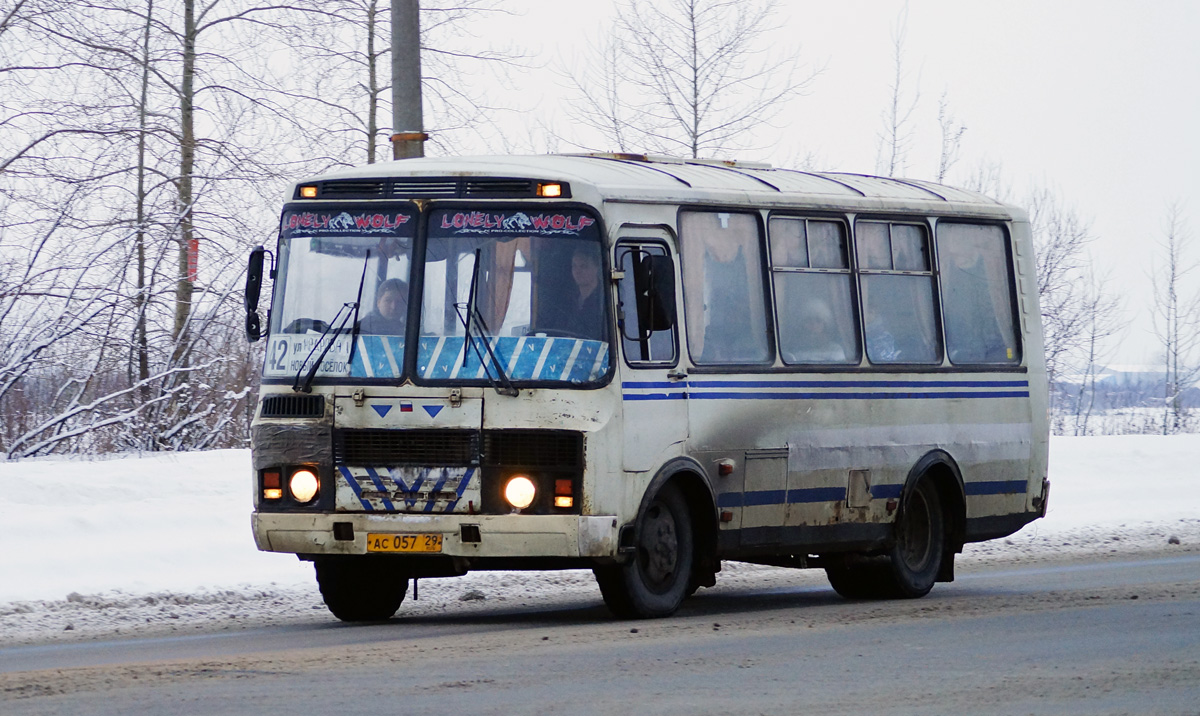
1098	99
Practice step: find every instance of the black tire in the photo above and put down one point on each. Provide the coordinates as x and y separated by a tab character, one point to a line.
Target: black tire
361	589
920	543
658	578
860	581
911	566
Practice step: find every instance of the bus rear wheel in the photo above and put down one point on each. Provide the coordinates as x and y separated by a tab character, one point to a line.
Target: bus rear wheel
361	589
658	578
910	567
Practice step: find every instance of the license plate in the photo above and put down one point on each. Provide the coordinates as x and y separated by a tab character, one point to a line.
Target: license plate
404	543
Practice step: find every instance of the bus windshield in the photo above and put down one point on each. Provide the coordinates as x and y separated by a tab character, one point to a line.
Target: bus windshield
325	255
536	299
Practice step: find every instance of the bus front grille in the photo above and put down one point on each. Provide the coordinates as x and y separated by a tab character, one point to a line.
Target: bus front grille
559	449
293	406
406	447
533	448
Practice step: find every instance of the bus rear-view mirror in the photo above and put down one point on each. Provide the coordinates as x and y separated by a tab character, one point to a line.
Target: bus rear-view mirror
254	275
654	282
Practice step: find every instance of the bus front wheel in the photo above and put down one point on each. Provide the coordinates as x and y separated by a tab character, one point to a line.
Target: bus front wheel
361	589
910	567
658	578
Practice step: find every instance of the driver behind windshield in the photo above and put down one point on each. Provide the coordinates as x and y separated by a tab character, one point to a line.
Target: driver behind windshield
581	314
391	309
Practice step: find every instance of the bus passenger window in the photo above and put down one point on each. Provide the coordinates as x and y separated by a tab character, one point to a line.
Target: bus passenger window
897	293
813	298
977	294
723	288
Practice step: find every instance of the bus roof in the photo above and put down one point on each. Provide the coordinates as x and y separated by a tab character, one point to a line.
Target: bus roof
627	177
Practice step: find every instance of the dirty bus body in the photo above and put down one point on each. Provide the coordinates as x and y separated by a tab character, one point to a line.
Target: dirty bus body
643	367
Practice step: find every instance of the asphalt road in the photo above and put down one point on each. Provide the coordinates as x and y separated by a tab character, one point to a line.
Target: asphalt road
1112	637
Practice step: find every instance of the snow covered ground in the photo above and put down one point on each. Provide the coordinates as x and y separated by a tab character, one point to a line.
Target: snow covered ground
162	543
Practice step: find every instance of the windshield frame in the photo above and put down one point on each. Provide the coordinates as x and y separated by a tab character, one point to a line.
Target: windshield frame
420	254
283	284
422	211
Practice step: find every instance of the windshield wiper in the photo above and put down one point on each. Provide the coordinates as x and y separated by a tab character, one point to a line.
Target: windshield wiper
504	386
352	312
306	386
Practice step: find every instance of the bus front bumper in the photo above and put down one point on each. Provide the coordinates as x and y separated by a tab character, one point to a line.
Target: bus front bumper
498	535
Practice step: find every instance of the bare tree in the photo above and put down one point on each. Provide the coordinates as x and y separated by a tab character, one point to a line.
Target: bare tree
952	133
688	77
600	100
1060	238
1176	318
345	92
896	137
1102	320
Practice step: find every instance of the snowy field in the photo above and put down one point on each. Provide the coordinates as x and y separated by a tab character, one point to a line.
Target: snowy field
162	543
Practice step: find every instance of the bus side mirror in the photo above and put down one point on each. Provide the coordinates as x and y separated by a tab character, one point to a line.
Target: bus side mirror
654	283
254	276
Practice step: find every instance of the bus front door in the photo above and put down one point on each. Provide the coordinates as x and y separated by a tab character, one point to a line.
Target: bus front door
653	388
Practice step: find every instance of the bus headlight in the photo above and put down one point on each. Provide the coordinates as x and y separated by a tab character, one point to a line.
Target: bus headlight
520	491
303	485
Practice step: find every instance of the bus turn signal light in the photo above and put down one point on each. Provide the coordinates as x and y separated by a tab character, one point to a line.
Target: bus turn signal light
272	488
308	192
550	191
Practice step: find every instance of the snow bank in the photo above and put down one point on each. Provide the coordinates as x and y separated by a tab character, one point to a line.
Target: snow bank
156	538
171	521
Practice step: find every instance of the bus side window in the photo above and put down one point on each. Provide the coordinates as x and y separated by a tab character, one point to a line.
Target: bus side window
646	303
897	293
814	306
977	294
723	288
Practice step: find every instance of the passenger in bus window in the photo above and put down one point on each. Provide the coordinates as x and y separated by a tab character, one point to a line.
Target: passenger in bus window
881	344
581	313
391	310
817	341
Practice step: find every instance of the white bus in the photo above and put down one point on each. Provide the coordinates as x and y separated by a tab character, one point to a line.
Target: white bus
643	366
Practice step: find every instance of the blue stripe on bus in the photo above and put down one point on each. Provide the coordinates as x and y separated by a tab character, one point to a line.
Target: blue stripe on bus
387	504
756	498
462	487
816	494
354	486
831	396
811	495
880	492
635	385
997	487
433	493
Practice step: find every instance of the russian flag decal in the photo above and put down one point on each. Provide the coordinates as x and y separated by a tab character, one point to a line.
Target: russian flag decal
405	407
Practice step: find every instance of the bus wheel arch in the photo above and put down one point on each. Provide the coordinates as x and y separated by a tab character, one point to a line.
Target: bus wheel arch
669	549
928	531
940	468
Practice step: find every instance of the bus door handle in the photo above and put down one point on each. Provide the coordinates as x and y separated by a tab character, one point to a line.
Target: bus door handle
677	375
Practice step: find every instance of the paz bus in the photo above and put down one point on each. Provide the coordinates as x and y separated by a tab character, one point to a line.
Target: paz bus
642	366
